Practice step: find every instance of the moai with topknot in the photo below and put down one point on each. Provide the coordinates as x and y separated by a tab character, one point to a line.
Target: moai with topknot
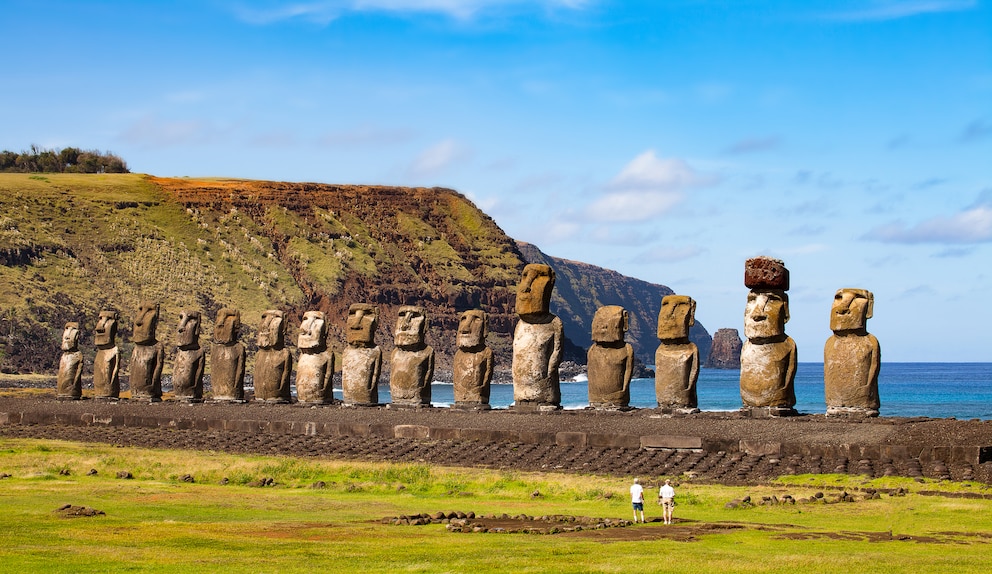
768	357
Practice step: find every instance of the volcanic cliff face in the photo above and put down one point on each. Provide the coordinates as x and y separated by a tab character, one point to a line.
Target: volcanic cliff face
726	350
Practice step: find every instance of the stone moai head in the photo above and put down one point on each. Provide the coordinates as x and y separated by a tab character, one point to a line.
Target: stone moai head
534	290
227	326
188	329
411	326
766	314
472	328
678	313
105	333
313	331
363	320
609	324
272	330
70	337
851	310
145	323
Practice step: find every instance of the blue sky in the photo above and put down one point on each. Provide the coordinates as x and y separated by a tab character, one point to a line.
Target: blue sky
670	141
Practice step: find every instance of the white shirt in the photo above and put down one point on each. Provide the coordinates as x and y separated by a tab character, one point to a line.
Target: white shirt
666	491
636	493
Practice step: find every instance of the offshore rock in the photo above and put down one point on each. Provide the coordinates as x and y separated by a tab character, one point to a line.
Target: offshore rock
726	350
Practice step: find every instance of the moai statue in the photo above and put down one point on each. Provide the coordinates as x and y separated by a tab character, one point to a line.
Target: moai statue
411	364
273	362
851	356
69	382
148	355
107	363
315	368
191	359
610	359
472	371
227	358
676	362
537	341
768	358
361	360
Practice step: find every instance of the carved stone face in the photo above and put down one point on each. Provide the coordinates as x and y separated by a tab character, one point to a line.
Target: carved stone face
70	337
609	324
851	309
227	326
766	314
189	328
105	333
410	326
534	290
313	330
363	319
472	329
272	330
145	322
677	314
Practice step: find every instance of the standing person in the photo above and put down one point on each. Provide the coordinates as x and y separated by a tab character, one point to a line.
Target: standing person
666	497
637	498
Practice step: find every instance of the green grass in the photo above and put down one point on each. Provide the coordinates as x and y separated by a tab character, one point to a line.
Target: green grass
158	523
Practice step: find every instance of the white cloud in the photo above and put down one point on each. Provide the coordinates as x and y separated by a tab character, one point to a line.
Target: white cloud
324	12
439	157
971	225
881	10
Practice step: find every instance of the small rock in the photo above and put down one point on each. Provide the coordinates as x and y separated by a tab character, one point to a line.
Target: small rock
535	494
186	478
318	485
91	472
65	472
125	475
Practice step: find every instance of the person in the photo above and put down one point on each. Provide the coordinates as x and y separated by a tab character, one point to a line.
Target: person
637	498
666	497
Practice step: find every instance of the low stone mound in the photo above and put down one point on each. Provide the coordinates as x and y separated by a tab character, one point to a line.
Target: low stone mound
73	511
507	524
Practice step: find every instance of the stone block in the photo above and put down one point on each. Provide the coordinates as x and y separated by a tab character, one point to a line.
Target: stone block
354	429
766	273
759	448
671	441
614	440
382	429
10	418
444	433
533	437
571	439
419	432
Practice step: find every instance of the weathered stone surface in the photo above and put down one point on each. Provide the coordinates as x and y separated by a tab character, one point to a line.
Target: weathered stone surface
273	362
851	356
537	341
768	357
315	367
69	381
148	355
610	359
472	371
411	363
766	273
227	358
677	358
106	364
725	352
361	360
191	359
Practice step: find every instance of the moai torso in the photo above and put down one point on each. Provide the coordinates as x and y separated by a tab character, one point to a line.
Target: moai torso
472	370
537	341
273	362
69	381
768	357
851	356
610	359
315	368
191	359
411	364
106	364
677	358
361	360
227	358
148	355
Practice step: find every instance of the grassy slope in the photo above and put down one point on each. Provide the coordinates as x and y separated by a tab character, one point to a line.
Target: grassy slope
158	523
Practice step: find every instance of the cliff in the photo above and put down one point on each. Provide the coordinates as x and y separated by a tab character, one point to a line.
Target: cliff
726	350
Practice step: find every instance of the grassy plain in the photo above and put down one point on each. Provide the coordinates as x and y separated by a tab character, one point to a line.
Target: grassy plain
156	522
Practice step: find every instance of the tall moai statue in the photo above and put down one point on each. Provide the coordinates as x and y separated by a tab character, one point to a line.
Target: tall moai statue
227	358
361	360
273	362
537	342
472	371
191	359
69	381
768	358
315	368
107	363
851	356
610	359
411	364
676	362
148	355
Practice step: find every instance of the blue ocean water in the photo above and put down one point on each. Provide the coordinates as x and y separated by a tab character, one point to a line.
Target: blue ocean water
939	390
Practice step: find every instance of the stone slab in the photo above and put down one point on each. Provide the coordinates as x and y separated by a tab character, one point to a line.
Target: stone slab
671	441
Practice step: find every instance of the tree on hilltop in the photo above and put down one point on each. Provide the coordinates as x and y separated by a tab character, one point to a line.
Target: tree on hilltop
67	160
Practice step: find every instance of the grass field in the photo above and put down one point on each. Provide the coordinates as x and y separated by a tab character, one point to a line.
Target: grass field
158	522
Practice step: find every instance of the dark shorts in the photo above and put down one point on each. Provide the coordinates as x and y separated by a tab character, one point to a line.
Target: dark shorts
639	506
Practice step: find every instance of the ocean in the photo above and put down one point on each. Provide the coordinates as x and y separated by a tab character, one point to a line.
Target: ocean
938	390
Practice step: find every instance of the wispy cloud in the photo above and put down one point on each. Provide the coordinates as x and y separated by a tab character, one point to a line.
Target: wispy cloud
646	187
323	12
971	225
976	130
439	157
753	145
150	131
881	10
